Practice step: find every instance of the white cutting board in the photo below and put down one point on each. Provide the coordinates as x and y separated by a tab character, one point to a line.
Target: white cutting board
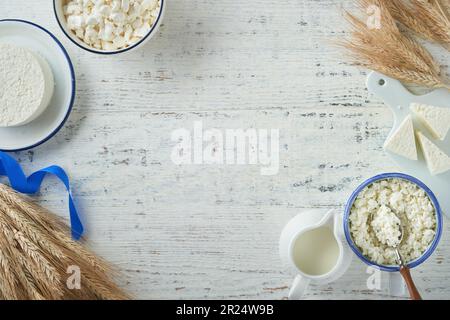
398	98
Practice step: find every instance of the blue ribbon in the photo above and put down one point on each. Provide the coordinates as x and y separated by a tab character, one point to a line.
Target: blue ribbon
10	167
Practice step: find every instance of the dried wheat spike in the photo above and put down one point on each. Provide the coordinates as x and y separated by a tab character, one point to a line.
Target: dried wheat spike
429	19
36	251
387	50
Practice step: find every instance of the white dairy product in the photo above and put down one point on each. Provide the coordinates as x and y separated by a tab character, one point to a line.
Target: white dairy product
26	85
403	141
387	226
436	119
316	252
111	24
410	204
438	162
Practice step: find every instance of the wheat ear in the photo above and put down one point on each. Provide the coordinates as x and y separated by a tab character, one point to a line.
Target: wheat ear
7	281
428	19
389	51
36	251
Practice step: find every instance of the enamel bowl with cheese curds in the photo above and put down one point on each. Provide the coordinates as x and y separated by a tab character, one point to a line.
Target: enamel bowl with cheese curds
381	203
109	26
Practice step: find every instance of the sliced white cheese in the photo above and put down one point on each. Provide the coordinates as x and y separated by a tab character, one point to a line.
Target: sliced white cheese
438	162
403	141
436	119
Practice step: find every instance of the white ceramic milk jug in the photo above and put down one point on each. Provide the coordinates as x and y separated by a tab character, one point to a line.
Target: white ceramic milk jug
313	244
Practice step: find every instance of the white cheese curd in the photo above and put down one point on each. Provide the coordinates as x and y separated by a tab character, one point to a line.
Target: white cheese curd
387	226
403	141
26	85
374	205
111	25
437	161
436	119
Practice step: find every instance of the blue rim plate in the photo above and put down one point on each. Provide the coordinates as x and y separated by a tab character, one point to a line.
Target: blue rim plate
71	36
430	194
68	96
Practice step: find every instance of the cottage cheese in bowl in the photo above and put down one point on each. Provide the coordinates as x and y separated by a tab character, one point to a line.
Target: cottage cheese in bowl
109	26
378	209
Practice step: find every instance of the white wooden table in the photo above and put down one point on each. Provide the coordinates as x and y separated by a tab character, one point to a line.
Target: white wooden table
212	231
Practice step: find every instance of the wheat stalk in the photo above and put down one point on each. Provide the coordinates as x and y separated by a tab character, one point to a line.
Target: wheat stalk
46	288
37	215
30	285
36	250
36	255
389	51
428	19
31	230
7	281
37	219
11	268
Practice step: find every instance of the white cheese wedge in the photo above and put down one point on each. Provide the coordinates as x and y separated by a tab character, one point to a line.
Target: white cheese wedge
436	119
26	85
403	141
438	162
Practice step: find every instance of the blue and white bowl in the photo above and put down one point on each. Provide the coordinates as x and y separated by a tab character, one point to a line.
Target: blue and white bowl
433	199
61	19
40	41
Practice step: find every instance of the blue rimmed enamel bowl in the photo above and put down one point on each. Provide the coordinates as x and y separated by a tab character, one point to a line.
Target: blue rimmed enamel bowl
61	19
385	176
40	41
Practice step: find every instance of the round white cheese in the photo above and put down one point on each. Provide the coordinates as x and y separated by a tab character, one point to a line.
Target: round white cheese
26	85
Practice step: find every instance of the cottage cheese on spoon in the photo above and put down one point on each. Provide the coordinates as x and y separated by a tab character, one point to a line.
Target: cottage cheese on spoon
387	226
26	85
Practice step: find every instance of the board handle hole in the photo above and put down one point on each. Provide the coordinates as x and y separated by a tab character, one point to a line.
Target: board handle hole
382	82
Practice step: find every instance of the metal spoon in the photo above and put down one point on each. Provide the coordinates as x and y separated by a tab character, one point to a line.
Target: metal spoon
404	270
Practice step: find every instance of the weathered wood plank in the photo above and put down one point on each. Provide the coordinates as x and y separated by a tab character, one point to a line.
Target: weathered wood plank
212	231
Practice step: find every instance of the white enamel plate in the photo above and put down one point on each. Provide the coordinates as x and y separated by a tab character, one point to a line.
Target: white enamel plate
399	99
35	38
